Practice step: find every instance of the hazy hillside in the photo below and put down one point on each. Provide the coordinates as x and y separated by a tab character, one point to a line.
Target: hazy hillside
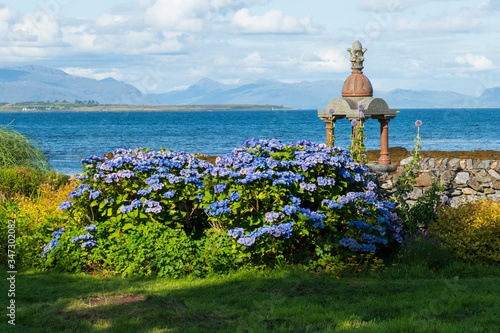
310	95
491	97
304	95
38	83
400	98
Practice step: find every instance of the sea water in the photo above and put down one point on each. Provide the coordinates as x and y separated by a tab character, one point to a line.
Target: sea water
67	137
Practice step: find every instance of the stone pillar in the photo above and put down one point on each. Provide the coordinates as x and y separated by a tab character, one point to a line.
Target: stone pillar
330	130
384	142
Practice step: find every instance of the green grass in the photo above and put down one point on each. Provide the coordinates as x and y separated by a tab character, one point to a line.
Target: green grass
272	301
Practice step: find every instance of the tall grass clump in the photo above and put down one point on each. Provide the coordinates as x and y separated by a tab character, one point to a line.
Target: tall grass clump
17	150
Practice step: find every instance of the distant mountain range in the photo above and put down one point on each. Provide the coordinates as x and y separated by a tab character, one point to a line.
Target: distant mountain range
39	83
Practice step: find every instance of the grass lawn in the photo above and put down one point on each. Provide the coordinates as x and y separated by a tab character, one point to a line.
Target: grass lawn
399	300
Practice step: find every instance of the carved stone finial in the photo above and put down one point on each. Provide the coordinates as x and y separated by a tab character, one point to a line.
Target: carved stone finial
357	51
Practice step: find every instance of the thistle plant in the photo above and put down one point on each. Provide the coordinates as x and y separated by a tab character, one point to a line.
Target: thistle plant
357	146
407	180
417	217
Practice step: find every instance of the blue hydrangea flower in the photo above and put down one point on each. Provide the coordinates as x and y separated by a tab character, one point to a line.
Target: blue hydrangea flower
92	243
94	194
219	188
84	236
91	227
234	196
65	205
58	233
169	194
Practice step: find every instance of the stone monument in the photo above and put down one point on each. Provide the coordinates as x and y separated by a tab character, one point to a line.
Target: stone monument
357	102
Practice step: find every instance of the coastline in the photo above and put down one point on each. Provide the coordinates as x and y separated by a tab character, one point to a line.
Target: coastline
12	108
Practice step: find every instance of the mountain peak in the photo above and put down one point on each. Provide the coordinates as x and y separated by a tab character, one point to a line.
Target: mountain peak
109	79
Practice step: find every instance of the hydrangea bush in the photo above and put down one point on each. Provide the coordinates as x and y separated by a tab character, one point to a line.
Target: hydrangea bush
296	201
166	213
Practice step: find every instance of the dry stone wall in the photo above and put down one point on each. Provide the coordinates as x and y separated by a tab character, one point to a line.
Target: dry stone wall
463	179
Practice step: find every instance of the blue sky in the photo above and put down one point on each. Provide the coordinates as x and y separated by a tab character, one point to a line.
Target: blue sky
161	45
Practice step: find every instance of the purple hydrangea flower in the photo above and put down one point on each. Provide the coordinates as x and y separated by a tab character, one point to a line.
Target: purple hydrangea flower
418	123
331	111
354	122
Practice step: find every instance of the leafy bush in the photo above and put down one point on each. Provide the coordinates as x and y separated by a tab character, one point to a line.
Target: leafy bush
36	217
19	180
168	213
416	218
26	181
17	150
426	252
472	230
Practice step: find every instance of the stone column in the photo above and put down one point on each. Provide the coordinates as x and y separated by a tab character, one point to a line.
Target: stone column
330	129
384	142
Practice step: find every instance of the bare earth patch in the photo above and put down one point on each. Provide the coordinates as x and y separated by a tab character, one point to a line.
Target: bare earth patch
118	299
399	153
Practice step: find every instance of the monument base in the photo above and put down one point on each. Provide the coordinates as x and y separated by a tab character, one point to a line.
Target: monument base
382	167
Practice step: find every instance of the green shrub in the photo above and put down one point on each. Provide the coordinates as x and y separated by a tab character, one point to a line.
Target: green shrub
136	249
471	230
17	150
426	252
217	253
416	219
22	181
26	181
35	218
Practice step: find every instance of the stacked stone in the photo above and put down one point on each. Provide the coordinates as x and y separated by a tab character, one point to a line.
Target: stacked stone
463	179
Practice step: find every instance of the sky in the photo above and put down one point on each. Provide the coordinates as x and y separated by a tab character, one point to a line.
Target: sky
164	45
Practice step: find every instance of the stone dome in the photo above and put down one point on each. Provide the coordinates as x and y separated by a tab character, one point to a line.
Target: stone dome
357	85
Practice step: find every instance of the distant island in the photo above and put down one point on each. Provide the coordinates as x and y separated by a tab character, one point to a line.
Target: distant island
80	106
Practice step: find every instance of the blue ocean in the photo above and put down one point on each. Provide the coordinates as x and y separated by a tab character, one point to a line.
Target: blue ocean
67	137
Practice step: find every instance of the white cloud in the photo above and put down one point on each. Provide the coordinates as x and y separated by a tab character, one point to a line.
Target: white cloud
109	19
253	58
478	63
253	63
189	15
273	22
37	29
5	15
80	41
93	74
332	60
178	15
